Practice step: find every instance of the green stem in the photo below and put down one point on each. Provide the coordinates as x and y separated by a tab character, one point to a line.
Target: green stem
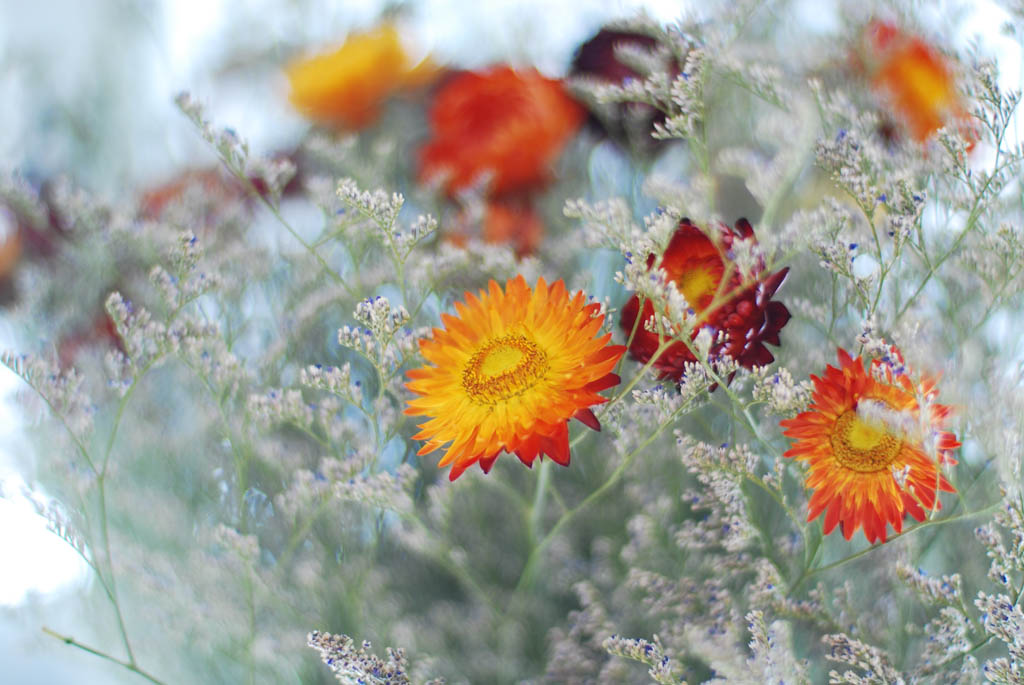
111	583
251	187
60	417
131	666
250	600
913	529
641	301
438	555
540	495
529	570
972	221
537	510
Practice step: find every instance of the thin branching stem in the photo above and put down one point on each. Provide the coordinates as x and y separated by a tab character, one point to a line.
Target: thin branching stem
129	665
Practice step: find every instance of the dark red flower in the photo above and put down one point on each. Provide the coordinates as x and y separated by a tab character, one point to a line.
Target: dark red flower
705	275
629	123
511	125
597	57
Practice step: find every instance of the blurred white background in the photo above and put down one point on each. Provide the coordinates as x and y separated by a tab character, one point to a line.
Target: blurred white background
87	89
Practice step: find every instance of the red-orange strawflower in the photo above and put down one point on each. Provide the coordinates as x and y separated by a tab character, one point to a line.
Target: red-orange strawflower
862	440
346	88
713	286
502	124
915	78
508	372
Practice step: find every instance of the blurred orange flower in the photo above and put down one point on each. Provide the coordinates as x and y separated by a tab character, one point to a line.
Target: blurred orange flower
914	77
345	88
504	221
506	124
513	222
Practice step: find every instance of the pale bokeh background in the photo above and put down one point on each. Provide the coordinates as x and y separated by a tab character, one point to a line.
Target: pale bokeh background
87	89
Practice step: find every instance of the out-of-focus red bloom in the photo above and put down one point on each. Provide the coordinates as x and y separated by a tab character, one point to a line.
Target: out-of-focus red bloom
915	79
515	222
10	242
212	182
38	230
505	221
346	88
713	286
220	188
596	60
101	331
500	123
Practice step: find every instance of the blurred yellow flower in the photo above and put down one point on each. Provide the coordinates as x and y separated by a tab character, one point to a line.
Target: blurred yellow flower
345	88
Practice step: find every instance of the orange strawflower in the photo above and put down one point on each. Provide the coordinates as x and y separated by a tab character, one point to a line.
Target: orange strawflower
713	287
346	88
508	372
914	77
502	125
861	438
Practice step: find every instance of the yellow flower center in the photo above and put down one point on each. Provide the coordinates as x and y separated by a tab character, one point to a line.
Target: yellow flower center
923	82
695	284
503	368
861	446
698	281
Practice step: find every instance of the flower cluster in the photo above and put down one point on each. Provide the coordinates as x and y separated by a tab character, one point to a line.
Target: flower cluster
237	436
351	664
